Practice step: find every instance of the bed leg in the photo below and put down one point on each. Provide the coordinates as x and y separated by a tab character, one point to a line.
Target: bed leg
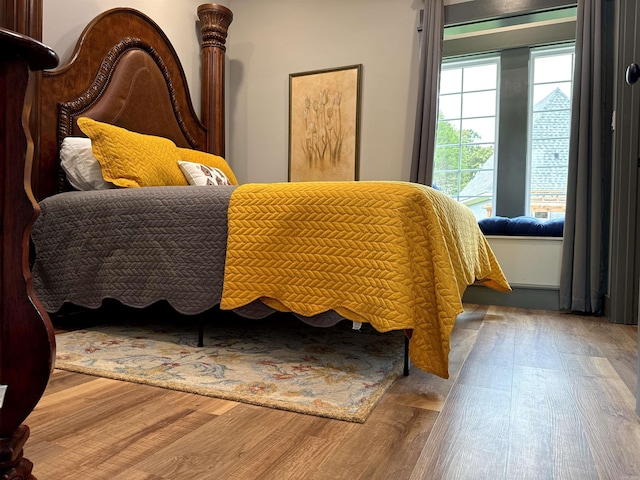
201	330
406	356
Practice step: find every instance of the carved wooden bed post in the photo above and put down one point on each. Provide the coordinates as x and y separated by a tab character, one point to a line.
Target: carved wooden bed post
27	341
22	16
214	23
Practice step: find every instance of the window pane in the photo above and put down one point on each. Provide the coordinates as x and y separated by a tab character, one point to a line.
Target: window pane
447	158
553	124
553	68
479	104
450	105
550	155
476	190
548	182
448	133
450	80
447	182
477	179
540	92
479	130
481	77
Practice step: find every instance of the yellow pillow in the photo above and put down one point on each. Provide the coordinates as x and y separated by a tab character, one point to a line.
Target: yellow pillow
130	159
208	159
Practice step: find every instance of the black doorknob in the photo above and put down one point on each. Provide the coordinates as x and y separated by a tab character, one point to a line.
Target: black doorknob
633	74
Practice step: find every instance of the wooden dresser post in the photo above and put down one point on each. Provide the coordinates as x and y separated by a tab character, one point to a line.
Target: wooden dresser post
214	24
22	16
27	341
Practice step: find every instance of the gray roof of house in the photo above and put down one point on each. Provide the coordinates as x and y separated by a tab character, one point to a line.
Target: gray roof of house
551	129
481	185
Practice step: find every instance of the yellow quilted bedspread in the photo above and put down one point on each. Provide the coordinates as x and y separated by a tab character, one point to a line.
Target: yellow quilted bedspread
397	255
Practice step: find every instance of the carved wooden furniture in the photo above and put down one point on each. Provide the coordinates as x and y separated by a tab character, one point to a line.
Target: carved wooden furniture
214	23
27	342
117	47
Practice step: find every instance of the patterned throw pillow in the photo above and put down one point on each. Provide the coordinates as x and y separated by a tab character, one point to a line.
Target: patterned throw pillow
198	174
208	159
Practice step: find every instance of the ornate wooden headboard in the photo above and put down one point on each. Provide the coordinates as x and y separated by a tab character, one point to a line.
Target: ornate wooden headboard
124	71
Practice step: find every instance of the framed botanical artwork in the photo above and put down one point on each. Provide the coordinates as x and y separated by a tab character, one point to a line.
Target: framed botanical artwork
324	124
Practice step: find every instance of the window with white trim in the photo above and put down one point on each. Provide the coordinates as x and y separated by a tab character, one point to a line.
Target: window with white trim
465	149
481	141
549	130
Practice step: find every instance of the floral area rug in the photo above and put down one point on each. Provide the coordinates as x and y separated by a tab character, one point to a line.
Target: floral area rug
334	372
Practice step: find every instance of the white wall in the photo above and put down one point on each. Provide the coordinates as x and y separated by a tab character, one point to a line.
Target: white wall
270	39
529	261
64	20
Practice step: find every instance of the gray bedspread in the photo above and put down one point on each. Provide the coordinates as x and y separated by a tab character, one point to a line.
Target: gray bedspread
137	246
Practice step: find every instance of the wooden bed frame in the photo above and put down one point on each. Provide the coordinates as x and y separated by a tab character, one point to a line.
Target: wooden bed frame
122	64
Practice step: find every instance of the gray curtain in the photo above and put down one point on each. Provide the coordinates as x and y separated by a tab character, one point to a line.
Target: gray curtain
584	257
427	108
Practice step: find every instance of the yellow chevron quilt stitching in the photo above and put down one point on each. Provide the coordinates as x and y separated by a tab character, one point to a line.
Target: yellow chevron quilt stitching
395	254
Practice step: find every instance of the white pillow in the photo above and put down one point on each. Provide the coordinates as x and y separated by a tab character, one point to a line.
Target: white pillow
81	167
198	174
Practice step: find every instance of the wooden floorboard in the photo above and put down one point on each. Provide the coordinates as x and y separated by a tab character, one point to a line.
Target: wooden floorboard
531	394
546	437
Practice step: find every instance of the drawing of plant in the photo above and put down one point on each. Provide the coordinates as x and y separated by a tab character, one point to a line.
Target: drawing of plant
324	133
324	124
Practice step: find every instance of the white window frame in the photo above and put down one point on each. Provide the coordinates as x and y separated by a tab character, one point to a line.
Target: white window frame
453	63
549	50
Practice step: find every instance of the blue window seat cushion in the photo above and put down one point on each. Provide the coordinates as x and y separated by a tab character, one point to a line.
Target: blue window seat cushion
521	226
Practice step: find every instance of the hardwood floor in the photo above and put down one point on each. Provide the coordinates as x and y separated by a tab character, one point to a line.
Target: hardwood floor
532	395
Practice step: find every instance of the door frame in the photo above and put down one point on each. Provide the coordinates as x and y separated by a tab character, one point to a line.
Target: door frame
625	202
